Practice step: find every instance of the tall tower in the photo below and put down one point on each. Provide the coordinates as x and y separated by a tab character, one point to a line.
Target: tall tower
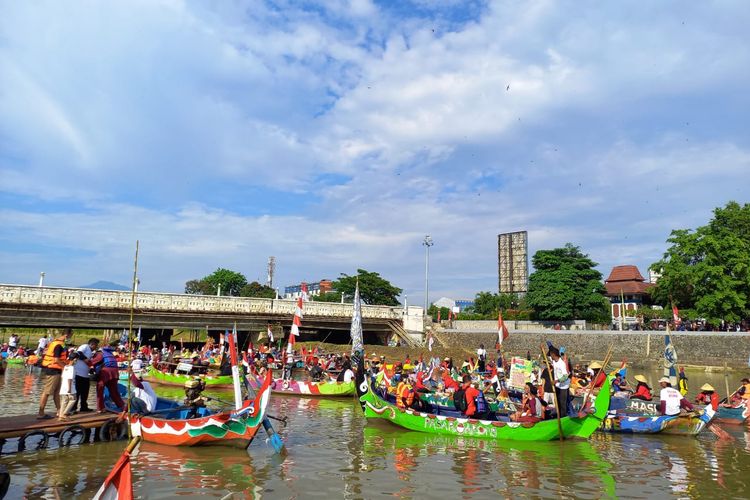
513	262
271	270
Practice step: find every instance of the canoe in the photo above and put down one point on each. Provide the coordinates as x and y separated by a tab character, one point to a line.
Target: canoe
15	361
329	389
156	377
687	424
444	404
201	425
375	407
733	414
725	414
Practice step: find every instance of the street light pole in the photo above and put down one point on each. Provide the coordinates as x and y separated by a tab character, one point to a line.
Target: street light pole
427	244
41	279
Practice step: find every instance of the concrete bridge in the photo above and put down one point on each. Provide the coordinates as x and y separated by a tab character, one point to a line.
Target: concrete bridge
55	307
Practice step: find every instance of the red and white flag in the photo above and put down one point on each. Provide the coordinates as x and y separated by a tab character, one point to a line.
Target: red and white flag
675	314
438	315
502	330
119	484
297	322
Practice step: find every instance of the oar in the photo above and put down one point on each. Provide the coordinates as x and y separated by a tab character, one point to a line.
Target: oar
730	395
273	436
554	392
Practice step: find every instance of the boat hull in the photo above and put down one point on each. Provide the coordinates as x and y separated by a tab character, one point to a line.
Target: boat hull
156	377
313	389
375	407
679	425
229	428
737	415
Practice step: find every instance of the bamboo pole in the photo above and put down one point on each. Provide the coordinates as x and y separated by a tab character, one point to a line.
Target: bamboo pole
648	345
130	335
554	392
605	362
726	378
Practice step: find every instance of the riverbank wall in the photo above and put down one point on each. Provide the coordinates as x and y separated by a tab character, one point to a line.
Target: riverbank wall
640	348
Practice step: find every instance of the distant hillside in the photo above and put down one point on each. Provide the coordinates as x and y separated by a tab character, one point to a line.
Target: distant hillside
105	285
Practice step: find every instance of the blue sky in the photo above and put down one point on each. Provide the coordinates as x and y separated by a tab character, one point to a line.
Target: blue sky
335	135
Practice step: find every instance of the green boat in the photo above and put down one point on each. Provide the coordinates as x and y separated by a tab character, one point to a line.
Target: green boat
445	401
15	361
375	407
217	382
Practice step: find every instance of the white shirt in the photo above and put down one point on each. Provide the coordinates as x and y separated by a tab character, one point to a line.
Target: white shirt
348	375
146	394
672	398
13	341
67	386
43	343
81	367
560	369
137	365
481	353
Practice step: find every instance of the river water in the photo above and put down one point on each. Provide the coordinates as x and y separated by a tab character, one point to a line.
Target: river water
333	453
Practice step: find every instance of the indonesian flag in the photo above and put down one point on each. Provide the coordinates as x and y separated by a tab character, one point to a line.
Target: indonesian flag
675	314
270	334
119	484
502	330
235	368
450	314
297	322
438	315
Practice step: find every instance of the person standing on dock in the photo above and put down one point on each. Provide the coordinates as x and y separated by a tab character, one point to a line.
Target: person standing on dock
83	379
105	364
68	389
53	362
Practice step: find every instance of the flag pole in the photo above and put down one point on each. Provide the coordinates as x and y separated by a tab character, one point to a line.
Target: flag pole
554	392
130	331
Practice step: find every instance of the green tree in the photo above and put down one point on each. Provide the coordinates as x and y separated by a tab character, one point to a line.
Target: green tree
373	289
565	286
231	283
333	296
255	289
708	269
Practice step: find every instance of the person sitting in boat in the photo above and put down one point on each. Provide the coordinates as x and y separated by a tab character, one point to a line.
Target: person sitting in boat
743	393
346	374
449	384
532	406
619	384
404	394
143	398
642	389
600	377
316	372
708	396
671	400
476	404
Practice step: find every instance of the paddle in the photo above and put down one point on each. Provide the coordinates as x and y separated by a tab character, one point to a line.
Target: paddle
273	437
730	396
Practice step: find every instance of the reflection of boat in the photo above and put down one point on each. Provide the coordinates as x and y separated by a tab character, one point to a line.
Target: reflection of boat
375	407
300	388
176	425
155	376
685	424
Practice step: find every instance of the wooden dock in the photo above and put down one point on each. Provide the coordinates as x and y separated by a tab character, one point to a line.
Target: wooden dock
34	433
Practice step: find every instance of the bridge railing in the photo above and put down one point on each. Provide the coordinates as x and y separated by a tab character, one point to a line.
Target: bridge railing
174	302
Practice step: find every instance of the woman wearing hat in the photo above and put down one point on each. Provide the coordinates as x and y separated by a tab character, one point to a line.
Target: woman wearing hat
642	390
708	396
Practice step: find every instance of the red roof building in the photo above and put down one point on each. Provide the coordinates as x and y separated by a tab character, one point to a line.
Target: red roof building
626	288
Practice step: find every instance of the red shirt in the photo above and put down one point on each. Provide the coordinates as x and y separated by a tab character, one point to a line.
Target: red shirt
643	393
449	382
470	393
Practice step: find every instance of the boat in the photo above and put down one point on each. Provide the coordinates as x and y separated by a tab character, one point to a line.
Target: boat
212	381
443	403
330	388
173	424
374	407
738	414
684	424
18	360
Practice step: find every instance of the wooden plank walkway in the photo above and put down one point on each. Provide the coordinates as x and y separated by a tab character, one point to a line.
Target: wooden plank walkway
17	426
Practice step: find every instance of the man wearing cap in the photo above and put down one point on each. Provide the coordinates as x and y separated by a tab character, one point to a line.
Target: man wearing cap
708	396
642	390
671	399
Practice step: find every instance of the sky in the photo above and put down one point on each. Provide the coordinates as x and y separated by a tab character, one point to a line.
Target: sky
335	135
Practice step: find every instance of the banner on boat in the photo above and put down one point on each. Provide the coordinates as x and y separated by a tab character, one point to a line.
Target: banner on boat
520	372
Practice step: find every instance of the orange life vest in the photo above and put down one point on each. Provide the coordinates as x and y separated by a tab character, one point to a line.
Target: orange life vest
48	361
404	396
747	391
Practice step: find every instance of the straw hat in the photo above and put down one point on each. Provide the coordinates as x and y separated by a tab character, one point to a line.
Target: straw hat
707	387
641	378
665	380
595	365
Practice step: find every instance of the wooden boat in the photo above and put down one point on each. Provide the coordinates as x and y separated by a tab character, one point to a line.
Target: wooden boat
19	360
443	404
738	414
175	425
212	381
329	388
684	424
375	407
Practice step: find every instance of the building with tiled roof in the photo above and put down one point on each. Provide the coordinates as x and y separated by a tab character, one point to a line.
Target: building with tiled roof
627	290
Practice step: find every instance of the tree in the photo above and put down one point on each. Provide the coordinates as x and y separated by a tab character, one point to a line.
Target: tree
327	297
231	283
709	269
255	289
565	286
373	289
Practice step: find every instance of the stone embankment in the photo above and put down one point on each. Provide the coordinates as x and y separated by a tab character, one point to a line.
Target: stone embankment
640	348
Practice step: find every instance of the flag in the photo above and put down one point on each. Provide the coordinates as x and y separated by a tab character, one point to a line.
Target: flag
139	335
235	368
675	314
119	484
270	334
438	315
670	359
355	332
450	314
502	330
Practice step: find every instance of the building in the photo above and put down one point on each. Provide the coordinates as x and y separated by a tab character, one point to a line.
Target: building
313	289
627	289
464	303
513	262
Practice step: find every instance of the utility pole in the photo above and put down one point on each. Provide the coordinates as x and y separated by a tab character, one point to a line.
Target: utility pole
41	279
427	244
